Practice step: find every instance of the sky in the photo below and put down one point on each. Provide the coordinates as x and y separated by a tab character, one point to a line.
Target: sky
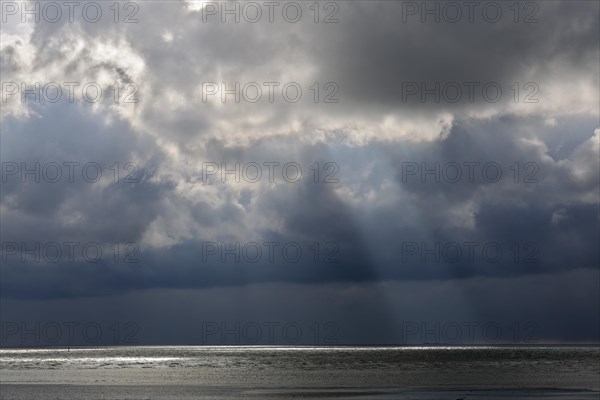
333	172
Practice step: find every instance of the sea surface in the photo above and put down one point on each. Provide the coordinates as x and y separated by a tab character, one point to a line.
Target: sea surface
271	372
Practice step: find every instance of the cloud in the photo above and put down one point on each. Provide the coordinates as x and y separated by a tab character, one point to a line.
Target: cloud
378	185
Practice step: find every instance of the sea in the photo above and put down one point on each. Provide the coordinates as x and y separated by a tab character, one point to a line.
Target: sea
286	372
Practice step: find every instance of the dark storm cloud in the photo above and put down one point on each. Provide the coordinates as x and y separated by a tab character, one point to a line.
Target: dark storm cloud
367	313
38	205
373	52
552	232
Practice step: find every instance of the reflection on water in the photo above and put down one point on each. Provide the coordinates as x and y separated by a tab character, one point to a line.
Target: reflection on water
301	372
